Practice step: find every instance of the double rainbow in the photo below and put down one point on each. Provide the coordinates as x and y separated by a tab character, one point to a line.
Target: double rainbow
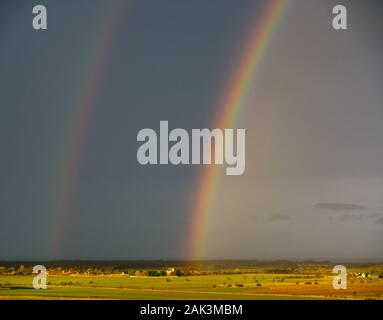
246	70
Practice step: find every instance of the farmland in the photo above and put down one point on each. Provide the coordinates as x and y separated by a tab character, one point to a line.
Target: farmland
251	283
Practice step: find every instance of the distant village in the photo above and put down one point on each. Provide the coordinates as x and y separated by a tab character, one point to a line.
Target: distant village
180	271
166	272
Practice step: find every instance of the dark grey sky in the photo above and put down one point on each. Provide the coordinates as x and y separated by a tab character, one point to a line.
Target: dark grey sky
313	186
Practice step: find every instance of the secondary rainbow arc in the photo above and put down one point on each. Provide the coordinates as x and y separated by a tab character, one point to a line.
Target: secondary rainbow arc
75	135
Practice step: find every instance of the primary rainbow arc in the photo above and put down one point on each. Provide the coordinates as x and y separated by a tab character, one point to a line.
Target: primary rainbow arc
258	42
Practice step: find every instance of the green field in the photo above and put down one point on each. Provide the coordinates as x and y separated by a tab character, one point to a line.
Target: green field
235	286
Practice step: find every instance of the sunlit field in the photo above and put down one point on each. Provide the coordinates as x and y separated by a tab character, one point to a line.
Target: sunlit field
221	286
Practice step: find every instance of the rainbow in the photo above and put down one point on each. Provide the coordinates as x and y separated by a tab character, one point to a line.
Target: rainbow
76	133
246	70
